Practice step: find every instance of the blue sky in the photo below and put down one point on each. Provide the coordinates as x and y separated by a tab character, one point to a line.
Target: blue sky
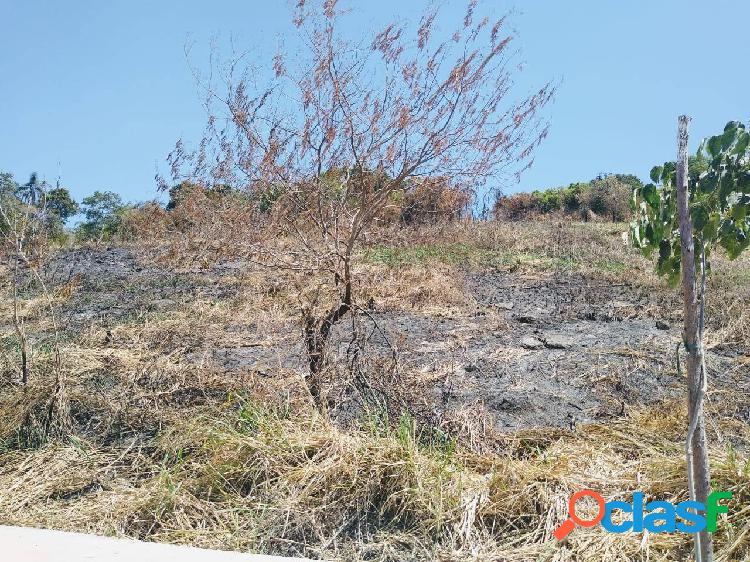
104	89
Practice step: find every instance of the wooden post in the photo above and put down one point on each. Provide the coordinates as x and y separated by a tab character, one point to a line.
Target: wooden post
696	447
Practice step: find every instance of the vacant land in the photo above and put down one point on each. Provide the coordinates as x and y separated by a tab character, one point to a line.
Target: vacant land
489	371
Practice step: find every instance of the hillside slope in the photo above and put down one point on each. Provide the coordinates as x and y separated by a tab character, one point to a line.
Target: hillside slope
490	371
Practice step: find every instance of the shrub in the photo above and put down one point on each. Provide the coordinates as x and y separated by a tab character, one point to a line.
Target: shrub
571	197
104	212
518	206
433	200
549	201
607	196
46	208
145	220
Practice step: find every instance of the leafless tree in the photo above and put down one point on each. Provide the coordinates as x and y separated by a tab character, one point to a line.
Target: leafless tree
24	235
342	125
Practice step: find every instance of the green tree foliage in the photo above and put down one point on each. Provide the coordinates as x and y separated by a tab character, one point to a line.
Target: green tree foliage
8	185
104	212
571	196
61	204
719	188
48	209
606	196
9	201
549	201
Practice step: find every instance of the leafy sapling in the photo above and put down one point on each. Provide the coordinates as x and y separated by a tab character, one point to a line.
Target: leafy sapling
694	206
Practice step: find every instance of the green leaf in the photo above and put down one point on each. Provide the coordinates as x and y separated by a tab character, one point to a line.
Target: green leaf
739	212
700	218
672	271
719	181
708	182
728	138
655	174
711	228
726	188
667	173
713	146
742	143
650	234
651	195
735	242
665	250
743	182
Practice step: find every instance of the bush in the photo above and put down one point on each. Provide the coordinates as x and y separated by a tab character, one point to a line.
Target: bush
433	200
220	224
518	206
104	212
607	197
144	220
549	201
571	197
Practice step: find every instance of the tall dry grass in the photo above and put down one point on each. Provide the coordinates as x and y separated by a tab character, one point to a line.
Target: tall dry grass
250	477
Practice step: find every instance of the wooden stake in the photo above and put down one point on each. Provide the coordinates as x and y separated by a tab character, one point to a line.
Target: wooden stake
696	448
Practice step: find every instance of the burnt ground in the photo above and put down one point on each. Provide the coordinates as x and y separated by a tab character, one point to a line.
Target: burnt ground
543	350
113	285
552	352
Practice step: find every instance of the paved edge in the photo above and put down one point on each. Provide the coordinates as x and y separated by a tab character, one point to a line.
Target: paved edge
24	544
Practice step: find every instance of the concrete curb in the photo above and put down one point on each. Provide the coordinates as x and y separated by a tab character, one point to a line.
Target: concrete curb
21	544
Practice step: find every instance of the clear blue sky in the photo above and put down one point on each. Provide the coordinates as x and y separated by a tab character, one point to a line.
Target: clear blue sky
103	87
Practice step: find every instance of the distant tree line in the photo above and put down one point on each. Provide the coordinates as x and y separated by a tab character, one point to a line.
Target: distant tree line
422	201
431	200
51	207
606	197
104	215
103	211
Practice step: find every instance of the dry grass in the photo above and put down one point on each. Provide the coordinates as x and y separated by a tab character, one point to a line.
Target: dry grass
246	477
179	450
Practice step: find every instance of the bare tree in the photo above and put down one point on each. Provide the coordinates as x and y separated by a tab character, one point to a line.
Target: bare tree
24	228
344	124
17	230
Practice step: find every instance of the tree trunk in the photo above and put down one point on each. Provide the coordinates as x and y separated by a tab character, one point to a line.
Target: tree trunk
696	447
19	326
317	331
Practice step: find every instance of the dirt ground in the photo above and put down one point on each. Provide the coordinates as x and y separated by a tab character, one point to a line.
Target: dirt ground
535	350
